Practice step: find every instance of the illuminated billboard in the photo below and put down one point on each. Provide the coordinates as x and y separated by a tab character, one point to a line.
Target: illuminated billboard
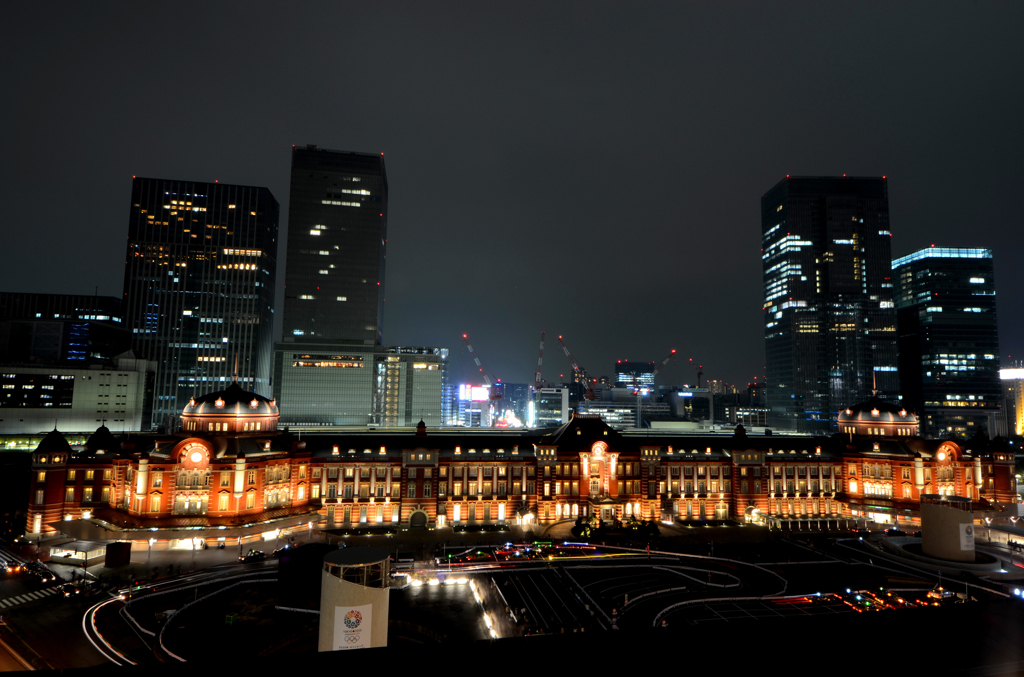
469	393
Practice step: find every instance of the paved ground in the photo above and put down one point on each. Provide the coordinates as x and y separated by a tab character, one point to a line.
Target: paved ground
566	596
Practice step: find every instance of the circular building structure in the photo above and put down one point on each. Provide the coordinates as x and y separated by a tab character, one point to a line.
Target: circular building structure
234	410
877	418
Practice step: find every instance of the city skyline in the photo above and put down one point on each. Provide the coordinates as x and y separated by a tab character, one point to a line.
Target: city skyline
486	239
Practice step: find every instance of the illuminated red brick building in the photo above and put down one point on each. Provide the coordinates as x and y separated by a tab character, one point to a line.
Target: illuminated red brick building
230	466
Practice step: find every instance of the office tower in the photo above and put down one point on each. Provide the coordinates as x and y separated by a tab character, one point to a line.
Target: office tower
337	242
199	287
830	321
634	374
60	328
549	408
321	385
1013	399
948	340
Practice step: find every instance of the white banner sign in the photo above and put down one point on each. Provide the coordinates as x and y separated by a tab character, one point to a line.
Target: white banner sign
352	627
967	537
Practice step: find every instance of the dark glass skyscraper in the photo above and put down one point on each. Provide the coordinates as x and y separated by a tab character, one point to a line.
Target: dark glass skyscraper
948	339
830	320
330	368
199	287
337	245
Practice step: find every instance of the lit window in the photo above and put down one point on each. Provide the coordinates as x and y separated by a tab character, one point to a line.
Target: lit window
342	298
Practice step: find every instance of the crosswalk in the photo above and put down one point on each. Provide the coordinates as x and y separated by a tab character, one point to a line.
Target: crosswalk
6	557
27	597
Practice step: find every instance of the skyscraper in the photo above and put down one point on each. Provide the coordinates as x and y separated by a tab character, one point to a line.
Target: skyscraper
330	368
948	340
337	245
199	287
830	321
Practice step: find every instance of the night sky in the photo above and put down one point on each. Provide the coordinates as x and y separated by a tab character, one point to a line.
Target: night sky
586	169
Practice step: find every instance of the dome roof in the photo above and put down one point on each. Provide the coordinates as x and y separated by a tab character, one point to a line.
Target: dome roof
102	440
234	401
876	410
53	443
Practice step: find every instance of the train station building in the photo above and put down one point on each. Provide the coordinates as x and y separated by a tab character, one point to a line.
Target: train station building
230	472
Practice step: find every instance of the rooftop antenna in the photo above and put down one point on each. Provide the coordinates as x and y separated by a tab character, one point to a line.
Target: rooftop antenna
235	379
874	383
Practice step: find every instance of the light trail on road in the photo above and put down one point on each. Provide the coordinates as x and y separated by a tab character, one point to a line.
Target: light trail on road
89	620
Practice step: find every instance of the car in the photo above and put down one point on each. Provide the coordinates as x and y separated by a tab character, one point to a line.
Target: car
70	590
14	567
916	534
253	556
283	549
860	531
893	531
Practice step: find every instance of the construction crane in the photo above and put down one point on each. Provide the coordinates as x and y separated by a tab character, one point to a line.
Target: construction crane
663	363
487	379
639	392
700	370
494	392
537	380
580	373
577	370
